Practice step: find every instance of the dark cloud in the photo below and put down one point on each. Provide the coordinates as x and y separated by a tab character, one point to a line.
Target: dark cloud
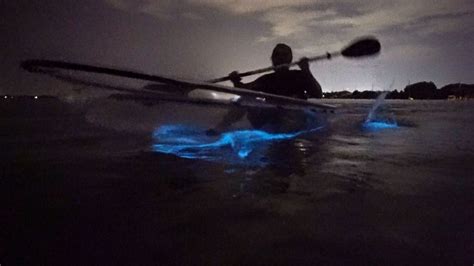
203	39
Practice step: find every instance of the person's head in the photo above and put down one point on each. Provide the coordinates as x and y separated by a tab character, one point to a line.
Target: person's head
281	54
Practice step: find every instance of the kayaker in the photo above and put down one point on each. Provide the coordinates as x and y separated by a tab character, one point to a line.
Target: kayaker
283	81
291	83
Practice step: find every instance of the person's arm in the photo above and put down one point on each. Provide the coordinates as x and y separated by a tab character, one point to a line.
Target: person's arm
237	81
235	113
312	86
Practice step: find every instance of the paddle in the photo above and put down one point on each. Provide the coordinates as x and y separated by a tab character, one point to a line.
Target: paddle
361	47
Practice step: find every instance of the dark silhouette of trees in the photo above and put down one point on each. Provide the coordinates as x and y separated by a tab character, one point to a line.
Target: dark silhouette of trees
420	90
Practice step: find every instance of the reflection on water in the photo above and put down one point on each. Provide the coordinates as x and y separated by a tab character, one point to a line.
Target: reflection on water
286	163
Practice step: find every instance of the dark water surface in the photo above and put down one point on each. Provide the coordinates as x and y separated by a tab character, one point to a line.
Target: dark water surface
74	191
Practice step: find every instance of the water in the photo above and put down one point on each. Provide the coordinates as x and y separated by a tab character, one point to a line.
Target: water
375	107
238	146
377	119
82	185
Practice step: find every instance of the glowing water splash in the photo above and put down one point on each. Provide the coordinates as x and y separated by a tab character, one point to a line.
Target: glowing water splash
379	125
374	122
193	143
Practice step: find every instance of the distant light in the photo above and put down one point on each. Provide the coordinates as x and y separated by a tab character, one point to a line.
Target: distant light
6	97
36	97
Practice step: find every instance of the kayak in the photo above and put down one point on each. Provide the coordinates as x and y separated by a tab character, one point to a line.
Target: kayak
172	89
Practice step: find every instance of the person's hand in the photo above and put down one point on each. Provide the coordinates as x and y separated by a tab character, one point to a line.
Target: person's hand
235	77
304	64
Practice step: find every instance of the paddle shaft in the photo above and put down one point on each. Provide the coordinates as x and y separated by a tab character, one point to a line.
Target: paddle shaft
364	46
267	69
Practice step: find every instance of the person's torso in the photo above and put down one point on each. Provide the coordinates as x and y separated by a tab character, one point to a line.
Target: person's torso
291	83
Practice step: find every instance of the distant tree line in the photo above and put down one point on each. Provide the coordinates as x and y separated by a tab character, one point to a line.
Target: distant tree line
420	90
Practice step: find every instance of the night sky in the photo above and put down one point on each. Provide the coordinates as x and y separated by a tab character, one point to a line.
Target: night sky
204	39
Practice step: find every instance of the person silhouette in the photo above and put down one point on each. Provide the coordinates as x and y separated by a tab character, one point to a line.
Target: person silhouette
283	81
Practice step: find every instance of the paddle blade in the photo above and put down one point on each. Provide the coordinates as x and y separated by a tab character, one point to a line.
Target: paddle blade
362	47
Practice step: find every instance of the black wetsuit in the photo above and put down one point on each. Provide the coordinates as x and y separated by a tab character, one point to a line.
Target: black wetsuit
290	83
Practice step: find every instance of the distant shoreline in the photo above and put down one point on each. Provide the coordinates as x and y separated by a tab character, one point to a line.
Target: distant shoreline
417	91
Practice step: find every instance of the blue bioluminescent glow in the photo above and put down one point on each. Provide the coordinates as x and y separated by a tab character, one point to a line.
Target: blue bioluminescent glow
374	122
193	143
379	125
